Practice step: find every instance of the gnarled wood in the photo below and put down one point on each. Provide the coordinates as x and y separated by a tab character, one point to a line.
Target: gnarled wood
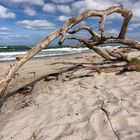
127	14
23	59
105	53
91	43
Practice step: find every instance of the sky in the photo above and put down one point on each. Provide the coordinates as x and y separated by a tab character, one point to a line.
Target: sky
27	22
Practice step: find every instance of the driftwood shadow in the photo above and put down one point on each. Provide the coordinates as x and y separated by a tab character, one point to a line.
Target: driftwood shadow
54	76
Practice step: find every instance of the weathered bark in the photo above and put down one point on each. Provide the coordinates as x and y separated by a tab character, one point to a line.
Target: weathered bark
127	14
91	43
22	59
105	53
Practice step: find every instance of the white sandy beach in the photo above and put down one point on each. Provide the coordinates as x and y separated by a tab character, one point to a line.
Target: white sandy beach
72	104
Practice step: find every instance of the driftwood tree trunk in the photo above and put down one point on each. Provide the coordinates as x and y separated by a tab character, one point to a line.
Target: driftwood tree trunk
91	43
23	59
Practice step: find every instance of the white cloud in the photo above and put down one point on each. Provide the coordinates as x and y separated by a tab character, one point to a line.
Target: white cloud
136	11
78	4
29	11
5	14
50	8
18	36
36	24
64	9
4	31
53	8
35	2
133	5
133	35
84	5
133	26
78	7
115	16
63	18
62	1
100	4
112	32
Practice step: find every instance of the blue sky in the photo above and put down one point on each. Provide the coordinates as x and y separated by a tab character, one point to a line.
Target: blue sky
27	22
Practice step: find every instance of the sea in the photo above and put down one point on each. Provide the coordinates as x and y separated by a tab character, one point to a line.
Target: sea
9	53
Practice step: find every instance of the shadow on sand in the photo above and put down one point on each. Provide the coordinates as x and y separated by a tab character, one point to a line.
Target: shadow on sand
28	88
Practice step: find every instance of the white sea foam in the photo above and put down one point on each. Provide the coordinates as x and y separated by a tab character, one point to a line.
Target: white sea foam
5	56
48	52
11	53
3	47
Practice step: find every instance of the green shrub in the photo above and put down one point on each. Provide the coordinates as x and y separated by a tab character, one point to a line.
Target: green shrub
134	61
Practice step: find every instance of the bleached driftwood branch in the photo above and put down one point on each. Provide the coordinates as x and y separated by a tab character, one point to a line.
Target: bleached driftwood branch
91	43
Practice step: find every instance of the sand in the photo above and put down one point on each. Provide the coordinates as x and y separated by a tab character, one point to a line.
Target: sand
73	103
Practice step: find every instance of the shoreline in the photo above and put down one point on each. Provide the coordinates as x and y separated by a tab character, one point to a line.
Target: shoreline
55	55
34	58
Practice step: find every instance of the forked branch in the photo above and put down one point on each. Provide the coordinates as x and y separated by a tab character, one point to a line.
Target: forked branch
90	43
127	14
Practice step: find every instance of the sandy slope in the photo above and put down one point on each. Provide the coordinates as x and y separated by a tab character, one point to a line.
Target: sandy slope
79	104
